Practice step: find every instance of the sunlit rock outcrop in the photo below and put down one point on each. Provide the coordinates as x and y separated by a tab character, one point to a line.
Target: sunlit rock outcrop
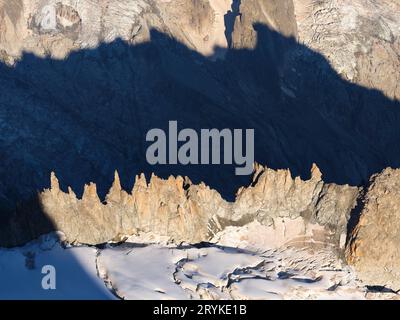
276	195
172	207
187	212
373	246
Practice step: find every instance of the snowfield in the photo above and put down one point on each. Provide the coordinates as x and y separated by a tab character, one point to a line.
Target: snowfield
152	268
76	276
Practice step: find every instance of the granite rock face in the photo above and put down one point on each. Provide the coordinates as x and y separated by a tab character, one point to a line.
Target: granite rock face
193	213
373	246
275	195
172	207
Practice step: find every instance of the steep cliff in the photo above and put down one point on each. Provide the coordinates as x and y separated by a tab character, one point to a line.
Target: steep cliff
373	246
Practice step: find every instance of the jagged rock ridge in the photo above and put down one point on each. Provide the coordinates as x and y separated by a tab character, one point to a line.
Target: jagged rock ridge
188	212
298	213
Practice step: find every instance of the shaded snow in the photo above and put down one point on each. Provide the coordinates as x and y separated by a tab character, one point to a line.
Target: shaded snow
166	271
76	275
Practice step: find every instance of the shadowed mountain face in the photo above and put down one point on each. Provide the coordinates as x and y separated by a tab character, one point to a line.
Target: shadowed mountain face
88	115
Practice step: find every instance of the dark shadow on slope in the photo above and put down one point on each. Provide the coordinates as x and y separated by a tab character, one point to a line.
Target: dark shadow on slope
87	115
26	222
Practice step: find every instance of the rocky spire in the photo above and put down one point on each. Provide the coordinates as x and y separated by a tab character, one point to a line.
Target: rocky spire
71	193
90	193
114	195
315	172
183	211
54	184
